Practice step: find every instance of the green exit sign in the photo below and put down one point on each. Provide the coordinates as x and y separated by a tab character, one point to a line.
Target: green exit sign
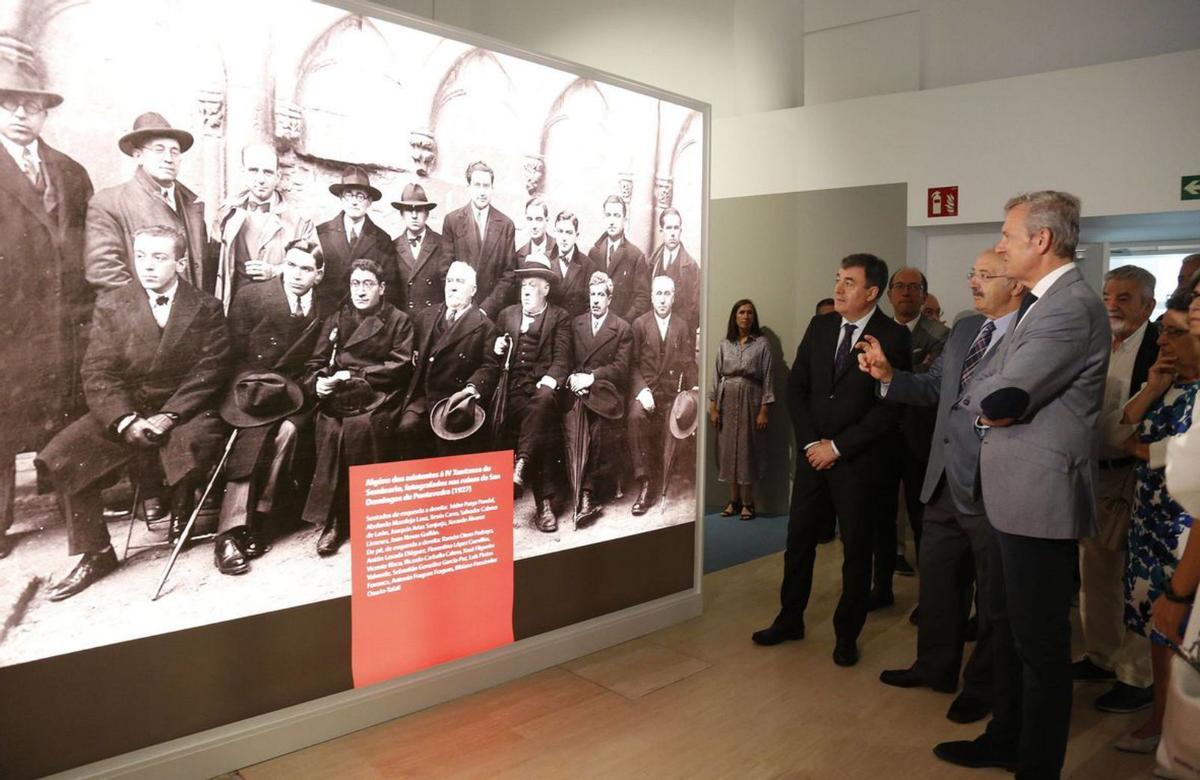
1189	188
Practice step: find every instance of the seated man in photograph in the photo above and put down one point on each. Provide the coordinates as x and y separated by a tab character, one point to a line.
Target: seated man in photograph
664	362
603	353
156	363
273	329
455	361
536	336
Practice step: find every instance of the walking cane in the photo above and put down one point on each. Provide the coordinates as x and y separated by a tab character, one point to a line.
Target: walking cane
187	529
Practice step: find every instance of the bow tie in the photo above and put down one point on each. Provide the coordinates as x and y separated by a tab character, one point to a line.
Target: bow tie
161	300
414	242
263	207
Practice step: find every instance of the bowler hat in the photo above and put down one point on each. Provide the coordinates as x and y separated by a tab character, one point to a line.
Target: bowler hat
151	125
685	415
458	421
603	399
260	397
413	197
20	72
352	397
355	178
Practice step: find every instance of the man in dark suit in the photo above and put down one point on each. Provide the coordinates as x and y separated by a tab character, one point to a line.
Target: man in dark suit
454	359
1038	403
350	236
906	292
671	259
157	360
622	262
843	429
273	327
256	225
152	197
536	336
423	259
43	198
1112	653
572	266
602	344
481	236
537	217
958	538
664	360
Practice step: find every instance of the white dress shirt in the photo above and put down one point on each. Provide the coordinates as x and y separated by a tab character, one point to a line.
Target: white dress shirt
162	311
1046	282
1117	389
353	227
663	323
17	152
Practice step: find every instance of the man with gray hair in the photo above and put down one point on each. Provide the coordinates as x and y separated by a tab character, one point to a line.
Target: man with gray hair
256	225
1037	405
1111	652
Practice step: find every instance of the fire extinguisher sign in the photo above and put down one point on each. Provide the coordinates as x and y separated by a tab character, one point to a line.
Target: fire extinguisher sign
942	202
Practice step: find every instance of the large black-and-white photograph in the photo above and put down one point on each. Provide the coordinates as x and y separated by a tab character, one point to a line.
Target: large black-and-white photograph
246	246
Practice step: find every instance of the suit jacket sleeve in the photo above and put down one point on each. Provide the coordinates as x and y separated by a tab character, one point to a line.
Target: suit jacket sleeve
208	375
322	351
799	391
617	370
637	382
1049	355
488	373
104	261
243	316
506	263
393	372
562	360
641	288
884	416
918	389
103	370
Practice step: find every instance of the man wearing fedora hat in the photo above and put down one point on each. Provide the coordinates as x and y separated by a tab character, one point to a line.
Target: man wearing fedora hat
350	236
422	258
273	328
256	225
454	360
483	238
603	354
157	360
43	198
537	335
152	197
664	360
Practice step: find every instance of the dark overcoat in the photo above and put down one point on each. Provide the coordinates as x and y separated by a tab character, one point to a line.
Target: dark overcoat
630	275
462	355
493	261
663	366
373	243
423	277
685	272
553	355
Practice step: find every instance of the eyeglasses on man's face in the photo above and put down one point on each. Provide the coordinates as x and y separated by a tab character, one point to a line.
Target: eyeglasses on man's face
912	287
356	195
32	106
983	276
363	284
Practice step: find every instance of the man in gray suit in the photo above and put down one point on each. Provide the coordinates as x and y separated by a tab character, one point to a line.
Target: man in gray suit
1037	404
956	529
906	292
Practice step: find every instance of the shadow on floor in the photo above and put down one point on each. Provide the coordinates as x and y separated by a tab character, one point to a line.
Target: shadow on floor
729	541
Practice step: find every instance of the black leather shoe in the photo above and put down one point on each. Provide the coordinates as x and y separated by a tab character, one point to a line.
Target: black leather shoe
154	509
178	523
1123	699
251	541
91	567
879	599
519	471
911	678
977	753
643	498
903	568
775	634
968	708
588	508
228	555
845	653
543	517
1085	670
331	539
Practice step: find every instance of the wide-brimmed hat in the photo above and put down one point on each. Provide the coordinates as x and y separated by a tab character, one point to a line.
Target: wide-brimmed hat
458	421
603	399
355	178
151	125
20	71
260	397
685	414
352	397
413	197
533	267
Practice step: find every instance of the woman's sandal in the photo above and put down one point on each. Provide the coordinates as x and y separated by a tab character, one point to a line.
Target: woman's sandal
748	512
731	509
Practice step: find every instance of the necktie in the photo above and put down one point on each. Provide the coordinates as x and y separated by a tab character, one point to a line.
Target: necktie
451	316
166	195
353	234
976	352
1026	302
595	325
32	171
844	349
299	312
413	243
161	300
263	207
608	256
481	225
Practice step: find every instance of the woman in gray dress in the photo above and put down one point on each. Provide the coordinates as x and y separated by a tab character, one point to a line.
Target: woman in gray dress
741	391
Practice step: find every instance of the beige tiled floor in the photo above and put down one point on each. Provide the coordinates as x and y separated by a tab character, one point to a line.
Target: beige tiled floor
698	700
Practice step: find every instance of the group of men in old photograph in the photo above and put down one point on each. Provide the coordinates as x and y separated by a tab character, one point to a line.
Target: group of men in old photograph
246	364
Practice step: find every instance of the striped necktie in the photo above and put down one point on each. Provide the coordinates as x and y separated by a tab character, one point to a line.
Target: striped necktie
976	353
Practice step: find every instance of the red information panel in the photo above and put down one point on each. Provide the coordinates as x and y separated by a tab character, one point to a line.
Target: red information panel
432	562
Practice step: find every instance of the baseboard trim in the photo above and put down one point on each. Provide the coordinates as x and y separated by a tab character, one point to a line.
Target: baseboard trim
247	742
